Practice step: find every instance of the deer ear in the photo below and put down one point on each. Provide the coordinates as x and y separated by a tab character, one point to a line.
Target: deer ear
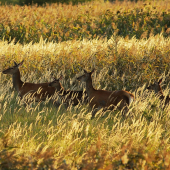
54	79
92	71
160	81
61	77
20	64
84	71
15	63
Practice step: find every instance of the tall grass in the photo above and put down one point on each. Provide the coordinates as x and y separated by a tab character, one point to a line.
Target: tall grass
47	137
130	62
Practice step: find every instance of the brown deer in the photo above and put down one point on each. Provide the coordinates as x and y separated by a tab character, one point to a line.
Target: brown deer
103	98
40	91
70	97
156	87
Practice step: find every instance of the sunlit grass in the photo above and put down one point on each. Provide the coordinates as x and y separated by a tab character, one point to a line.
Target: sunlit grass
130	63
43	135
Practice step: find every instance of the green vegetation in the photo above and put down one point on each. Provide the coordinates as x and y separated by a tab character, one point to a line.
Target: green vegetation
40	2
66	22
9	2
65	39
44	2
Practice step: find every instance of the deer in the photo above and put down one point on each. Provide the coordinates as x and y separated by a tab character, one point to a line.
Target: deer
70	97
105	99
156	87
39	91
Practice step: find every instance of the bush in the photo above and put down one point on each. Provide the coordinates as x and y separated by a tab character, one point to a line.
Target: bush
42	2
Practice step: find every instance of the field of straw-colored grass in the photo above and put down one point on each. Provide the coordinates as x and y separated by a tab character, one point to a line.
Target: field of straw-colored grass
43	136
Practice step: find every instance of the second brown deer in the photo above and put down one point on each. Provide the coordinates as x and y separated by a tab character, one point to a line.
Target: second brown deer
156	87
105	99
69	97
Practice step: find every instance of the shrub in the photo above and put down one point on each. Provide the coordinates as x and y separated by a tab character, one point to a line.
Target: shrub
42	2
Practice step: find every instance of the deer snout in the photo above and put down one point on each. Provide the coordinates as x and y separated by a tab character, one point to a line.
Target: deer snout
4	72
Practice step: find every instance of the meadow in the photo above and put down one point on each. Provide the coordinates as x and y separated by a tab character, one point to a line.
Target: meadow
44	136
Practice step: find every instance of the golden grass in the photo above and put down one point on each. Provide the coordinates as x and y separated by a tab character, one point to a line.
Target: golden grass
128	60
44	136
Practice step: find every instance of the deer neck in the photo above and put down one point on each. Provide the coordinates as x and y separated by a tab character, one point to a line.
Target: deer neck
16	80
89	87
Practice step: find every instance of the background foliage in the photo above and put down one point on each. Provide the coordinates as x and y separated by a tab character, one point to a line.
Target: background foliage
44	2
66	22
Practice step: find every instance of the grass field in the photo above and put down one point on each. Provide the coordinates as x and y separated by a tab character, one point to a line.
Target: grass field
43	136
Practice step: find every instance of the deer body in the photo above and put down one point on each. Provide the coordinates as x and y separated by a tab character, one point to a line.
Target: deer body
103	98
24	88
41	91
75	97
